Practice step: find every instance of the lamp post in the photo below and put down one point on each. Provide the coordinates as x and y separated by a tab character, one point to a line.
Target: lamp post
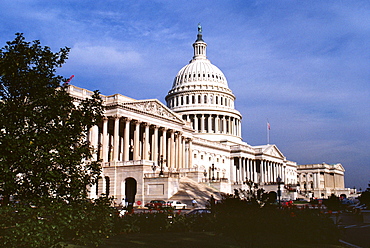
160	162
213	172
278	179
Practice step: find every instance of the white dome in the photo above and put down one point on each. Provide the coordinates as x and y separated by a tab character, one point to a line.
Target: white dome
200	93
200	71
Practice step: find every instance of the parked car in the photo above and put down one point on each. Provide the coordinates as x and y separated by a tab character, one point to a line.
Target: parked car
199	211
176	204
156	204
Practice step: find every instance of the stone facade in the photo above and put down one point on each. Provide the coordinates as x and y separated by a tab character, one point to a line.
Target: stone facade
321	180
146	147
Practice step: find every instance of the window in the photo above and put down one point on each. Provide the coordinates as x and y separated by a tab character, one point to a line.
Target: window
107	186
201	156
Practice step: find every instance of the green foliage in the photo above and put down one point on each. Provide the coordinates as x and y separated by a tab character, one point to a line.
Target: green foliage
81	222
333	203
365	198
44	153
42	132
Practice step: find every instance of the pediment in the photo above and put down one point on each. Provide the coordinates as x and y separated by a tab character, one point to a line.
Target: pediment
274	151
153	107
339	167
270	150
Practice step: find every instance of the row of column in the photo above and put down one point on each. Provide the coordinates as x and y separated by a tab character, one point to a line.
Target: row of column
211	123
259	171
270	171
311	183
135	140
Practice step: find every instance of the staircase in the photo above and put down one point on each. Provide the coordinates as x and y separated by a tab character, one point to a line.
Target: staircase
189	190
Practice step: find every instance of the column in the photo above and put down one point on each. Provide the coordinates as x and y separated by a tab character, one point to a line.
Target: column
183	153
94	140
178	150
190	154
232	126
105	139
243	170
209	123
202	124
224	124
217	122
155	144
116	139
126	140
255	171
164	144
263	172
172	149
240	128
137	140
146	142
196	124
247	169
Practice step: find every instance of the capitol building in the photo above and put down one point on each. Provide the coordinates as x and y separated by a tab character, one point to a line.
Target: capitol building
192	145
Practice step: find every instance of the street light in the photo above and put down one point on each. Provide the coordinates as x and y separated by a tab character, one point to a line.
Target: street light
160	162
278	179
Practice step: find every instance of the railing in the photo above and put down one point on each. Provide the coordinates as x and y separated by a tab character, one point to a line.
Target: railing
165	175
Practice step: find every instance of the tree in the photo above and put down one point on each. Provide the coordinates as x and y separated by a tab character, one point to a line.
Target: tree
43	145
365	197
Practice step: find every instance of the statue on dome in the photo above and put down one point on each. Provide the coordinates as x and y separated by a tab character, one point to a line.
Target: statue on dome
199	28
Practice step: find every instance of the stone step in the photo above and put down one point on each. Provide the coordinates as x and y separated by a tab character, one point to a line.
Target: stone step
189	190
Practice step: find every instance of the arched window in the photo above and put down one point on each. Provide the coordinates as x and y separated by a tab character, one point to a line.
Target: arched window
205	98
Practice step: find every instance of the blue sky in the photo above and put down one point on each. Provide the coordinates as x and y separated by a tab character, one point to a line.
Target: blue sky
303	65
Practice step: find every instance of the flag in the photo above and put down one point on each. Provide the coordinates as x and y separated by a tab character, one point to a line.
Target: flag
268	126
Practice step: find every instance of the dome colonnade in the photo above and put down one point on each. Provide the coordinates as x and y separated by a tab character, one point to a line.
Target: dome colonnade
200	93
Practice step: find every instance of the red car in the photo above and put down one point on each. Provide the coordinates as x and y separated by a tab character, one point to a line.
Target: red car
156	204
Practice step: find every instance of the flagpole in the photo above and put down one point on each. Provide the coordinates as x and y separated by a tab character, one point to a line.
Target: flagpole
268	132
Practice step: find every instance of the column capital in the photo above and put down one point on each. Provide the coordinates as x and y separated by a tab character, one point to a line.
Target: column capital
137	122
127	119
154	126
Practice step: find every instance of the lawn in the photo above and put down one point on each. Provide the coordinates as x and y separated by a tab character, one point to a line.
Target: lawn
189	240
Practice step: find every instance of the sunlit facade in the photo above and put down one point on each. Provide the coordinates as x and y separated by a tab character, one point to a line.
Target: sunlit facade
148	148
